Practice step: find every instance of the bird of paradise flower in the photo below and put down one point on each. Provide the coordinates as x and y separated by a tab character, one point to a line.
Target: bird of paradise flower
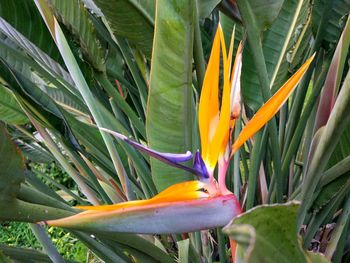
206	202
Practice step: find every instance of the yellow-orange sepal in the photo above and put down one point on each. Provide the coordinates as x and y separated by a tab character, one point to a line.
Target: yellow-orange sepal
214	123
189	190
270	108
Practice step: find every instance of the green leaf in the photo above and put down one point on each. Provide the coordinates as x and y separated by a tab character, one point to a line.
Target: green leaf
140	244
227	25
169	114
300	49
76	17
20	42
331	191
16	254
264	12
11	176
10	111
335	180
336	186
280	38
130	19
65	100
11	167
31	195
343	148
80	82
205	7
18	14
102	248
337	124
40	68
17	210
277	40
269	233
333	79
183	246
335	24
34	152
50	112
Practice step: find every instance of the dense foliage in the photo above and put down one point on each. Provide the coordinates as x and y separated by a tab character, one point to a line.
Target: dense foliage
70	67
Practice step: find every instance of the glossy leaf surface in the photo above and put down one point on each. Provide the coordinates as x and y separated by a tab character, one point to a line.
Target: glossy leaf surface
125	14
169	111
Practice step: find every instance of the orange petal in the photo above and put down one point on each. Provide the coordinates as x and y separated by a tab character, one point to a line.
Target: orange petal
179	192
270	108
220	139
209	102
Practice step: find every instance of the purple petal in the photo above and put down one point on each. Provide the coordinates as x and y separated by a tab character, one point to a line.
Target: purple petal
171	159
168	157
199	166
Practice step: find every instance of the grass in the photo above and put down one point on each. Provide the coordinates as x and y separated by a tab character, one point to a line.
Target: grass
20	235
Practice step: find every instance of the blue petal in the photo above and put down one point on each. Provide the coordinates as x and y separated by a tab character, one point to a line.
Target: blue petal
172	159
199	166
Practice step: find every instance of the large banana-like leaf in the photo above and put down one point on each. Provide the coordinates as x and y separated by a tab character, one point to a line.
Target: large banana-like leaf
205	7
130	19
10	111
18	14
75	16
292	16
41	69
333	28
29	95
169	114
228	25
24	66
23	43
264	12
276	42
